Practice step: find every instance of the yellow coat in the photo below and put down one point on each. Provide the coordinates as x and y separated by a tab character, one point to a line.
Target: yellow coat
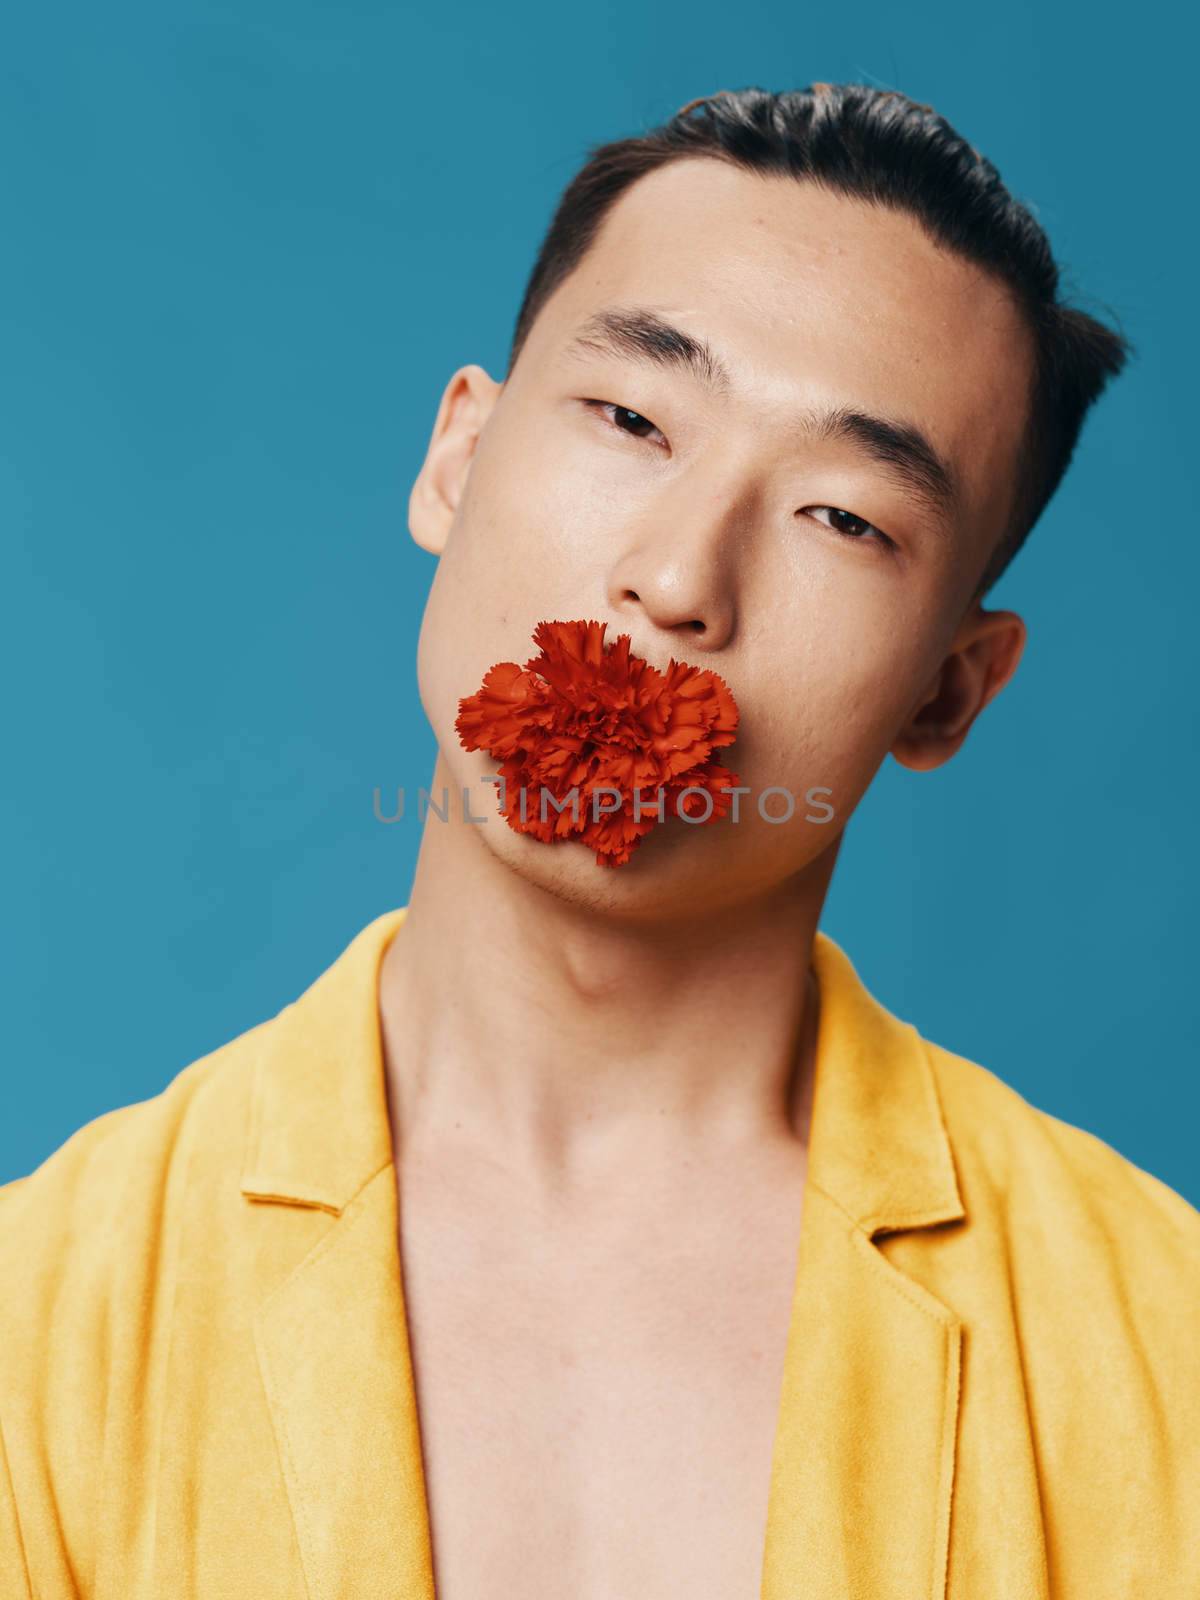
991	1387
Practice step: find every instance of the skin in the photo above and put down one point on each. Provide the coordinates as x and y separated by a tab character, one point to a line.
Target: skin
597	1075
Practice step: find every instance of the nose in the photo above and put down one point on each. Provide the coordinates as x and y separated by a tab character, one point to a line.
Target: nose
678	574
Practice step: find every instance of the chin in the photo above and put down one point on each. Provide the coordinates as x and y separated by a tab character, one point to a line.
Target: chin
674	875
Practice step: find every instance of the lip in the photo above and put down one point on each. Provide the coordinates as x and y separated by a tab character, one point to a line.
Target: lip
655	728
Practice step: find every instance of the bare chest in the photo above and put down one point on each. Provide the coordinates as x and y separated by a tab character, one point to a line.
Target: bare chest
598	1403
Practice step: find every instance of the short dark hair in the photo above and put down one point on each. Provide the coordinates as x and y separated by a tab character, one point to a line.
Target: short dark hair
880	146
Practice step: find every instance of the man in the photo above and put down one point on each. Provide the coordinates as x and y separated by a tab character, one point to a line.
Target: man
589	1231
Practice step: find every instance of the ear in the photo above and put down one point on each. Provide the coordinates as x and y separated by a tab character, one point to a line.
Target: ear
465	406
983	657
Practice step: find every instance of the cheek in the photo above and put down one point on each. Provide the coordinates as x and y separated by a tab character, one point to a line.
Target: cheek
521	541
828	712
501	572
558	502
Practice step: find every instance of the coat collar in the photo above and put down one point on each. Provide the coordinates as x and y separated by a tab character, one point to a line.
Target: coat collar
866	1439
878	1144
320	1128
864	1456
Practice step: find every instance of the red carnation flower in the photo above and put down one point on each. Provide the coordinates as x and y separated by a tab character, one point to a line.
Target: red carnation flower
587	718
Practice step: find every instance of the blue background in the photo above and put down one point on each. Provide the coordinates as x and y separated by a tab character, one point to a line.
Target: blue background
244	246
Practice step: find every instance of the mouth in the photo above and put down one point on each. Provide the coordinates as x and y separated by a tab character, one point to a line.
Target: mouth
598	747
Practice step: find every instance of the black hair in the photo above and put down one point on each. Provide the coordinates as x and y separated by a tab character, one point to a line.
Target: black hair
877	145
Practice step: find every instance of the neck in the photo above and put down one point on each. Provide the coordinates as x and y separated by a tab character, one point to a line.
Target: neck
573	1041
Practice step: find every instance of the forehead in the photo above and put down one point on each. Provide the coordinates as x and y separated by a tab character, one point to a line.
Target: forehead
811	297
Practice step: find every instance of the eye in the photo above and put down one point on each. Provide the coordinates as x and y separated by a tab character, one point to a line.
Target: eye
624	420
846	523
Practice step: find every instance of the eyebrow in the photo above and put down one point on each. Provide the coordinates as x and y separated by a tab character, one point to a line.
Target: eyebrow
640	334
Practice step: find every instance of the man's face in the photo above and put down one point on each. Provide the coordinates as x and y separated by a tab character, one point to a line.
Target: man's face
824	569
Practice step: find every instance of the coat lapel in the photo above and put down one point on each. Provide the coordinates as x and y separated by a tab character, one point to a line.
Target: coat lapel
331	1334
864	1460
863	1469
